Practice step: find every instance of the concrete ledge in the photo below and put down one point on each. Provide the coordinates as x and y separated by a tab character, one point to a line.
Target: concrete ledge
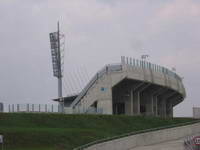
148	138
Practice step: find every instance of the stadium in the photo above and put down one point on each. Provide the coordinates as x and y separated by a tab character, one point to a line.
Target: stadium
131	87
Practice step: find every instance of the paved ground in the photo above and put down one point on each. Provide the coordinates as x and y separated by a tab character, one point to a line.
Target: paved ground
170	145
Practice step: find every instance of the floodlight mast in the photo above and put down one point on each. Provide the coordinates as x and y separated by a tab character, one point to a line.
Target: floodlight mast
57	65
59	72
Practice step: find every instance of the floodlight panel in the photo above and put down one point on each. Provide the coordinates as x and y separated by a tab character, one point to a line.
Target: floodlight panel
54	45
56	61
54	53
53	36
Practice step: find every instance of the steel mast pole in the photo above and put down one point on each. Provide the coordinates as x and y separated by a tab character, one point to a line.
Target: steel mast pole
59	72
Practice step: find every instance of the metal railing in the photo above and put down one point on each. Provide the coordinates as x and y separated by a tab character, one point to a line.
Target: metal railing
145	64
133	133
107	68
40	108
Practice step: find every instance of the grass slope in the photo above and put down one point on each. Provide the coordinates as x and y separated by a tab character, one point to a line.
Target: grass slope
24	131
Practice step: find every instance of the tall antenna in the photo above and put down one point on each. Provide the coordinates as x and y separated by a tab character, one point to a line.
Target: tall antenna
57	62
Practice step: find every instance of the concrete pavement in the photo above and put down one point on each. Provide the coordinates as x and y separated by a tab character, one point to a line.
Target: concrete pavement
170	145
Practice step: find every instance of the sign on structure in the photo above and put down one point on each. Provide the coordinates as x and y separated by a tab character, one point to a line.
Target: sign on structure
1	139
197	140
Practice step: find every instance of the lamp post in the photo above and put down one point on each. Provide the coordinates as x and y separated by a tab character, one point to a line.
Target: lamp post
143	57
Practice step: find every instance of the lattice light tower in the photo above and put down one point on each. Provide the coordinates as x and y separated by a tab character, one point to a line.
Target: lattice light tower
57	54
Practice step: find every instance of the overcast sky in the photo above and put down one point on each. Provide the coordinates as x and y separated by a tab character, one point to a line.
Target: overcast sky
97	32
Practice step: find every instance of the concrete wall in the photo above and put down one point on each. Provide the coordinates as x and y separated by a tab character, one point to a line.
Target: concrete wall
158	78
196	112
148	138
96	94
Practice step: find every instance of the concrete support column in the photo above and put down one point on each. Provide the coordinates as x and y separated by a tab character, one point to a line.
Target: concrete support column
169	97
149	104
131	100
155	105
172	111
136	103
128	99
163	108
169	109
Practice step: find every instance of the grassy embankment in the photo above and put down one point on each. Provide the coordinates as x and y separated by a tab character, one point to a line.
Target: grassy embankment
64	132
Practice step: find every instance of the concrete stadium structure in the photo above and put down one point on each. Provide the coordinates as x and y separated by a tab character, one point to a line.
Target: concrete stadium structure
132	87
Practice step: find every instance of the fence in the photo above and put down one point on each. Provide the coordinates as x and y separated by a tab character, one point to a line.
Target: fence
48	108
90	110
32	108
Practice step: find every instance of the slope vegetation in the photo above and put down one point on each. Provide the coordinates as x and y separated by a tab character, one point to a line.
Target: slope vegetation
28	131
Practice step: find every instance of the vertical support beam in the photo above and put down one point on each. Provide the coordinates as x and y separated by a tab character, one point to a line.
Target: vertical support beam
123	61
136	103
59	73
170	109
116	111
59	65
39	108
13	108
45	107
130	61
155	105
52	108
163	107
161	102
59	87
17	107
9	108
151	106
131	99
127	61
27	107
128	101
32	107
147	100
